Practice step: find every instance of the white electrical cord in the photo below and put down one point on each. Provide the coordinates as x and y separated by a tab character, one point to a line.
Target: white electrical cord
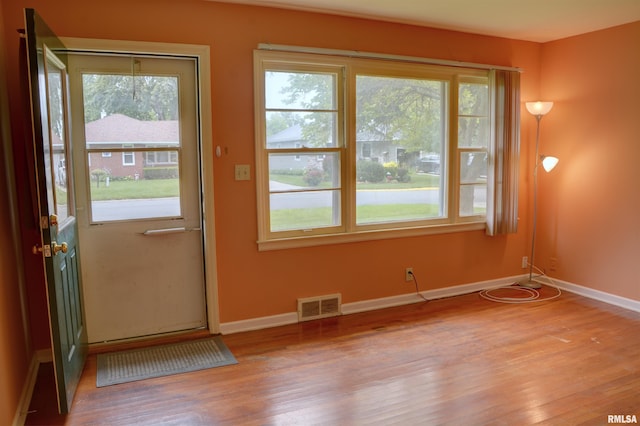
532	295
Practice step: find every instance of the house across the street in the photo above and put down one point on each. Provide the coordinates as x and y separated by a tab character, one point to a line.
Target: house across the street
125	147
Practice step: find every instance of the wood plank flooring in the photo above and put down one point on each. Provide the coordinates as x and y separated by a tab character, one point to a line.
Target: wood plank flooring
457	361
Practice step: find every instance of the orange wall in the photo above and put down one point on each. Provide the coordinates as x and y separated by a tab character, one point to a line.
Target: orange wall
255	284
14	356
590	205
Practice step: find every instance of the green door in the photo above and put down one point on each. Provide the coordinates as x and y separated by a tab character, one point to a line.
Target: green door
52	147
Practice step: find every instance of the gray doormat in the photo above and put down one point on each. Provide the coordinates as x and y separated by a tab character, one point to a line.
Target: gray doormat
164	360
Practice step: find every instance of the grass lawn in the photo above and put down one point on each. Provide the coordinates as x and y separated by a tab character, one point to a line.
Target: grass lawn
130	189
320	217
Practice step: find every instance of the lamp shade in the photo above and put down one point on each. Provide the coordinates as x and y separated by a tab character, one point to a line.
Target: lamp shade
548	163
539	108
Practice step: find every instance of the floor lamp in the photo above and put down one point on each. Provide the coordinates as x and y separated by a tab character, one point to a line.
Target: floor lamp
538	109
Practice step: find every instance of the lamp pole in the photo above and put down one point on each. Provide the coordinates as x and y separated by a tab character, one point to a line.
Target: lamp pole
531	283
538	109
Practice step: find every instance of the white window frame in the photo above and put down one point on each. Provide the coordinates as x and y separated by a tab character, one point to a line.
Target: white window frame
347	231
124	158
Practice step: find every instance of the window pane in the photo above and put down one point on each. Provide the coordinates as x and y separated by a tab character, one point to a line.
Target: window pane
304	210
300	91
300	110
473	109
160	158
301	129
400	128
473	132
141	191
473	178
473	200
473	167
305	191
473	99
289	172
128	159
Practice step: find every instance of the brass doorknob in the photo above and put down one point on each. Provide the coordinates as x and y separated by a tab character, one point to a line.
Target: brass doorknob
58	247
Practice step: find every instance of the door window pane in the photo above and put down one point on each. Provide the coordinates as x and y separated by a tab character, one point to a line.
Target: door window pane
56	79
130	121
121	192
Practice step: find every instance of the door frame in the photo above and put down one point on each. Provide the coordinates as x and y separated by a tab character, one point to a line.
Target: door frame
203	68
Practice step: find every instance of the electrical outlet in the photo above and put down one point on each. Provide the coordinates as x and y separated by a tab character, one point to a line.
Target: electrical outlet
408	274
525	262
553	264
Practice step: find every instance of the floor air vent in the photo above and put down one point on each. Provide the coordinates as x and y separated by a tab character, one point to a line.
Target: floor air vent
311	308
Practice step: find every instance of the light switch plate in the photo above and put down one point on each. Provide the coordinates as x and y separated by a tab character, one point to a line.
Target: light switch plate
243	172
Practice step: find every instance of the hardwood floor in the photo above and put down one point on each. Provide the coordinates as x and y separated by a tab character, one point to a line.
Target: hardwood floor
458	361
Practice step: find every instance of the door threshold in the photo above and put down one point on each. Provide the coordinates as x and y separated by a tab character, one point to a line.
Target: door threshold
144	341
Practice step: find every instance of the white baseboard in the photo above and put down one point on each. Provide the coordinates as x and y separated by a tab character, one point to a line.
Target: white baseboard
258	323
365	305
440	293
612	299
405	299
39	357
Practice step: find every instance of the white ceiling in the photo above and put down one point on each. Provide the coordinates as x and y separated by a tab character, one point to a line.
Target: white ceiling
533	20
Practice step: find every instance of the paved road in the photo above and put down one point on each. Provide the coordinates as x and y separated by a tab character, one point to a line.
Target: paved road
289	200
135	209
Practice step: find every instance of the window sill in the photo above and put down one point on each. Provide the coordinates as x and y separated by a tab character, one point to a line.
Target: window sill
319	240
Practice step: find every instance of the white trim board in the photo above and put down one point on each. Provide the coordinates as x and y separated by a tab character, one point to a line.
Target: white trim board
440	293
601	296
258	323
202	52
406	299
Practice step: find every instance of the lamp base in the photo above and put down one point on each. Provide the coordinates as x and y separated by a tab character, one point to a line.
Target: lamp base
530	284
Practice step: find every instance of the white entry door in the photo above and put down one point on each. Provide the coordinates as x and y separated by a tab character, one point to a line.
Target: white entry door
139	194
